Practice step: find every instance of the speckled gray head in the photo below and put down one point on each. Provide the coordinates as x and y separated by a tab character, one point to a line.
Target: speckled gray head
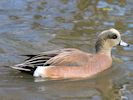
108	39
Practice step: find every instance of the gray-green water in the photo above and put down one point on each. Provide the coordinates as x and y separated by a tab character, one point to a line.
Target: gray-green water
33	26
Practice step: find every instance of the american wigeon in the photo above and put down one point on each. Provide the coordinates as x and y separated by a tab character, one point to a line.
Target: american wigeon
73	63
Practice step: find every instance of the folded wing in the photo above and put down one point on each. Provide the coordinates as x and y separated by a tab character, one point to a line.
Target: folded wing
62	57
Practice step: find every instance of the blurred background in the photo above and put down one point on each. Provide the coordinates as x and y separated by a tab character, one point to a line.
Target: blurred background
33	26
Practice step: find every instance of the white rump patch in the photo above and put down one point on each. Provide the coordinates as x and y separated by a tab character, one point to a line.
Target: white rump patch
40	70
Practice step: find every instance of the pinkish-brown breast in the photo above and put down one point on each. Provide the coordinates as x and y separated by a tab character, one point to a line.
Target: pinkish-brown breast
99	63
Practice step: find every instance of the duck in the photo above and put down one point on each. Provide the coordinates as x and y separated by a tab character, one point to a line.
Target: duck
71	63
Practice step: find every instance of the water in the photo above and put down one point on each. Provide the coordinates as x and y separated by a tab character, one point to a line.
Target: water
32	26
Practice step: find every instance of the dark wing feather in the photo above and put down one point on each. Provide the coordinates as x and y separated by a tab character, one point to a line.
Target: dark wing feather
29	56
42	58
35	60
68	57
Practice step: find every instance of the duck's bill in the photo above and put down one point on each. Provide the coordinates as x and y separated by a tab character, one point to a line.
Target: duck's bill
122	43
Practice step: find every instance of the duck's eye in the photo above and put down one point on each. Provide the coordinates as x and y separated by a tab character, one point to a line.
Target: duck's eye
114	36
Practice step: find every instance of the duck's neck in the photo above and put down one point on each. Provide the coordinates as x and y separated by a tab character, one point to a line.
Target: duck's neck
103	48
104	51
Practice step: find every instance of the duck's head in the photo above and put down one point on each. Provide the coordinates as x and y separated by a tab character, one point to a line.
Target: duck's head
108	39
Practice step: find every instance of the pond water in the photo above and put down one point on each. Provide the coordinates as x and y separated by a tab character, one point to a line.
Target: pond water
33	26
